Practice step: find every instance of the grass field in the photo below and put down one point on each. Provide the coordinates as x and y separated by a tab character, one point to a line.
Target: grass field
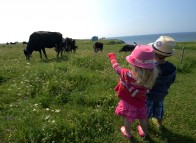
70	99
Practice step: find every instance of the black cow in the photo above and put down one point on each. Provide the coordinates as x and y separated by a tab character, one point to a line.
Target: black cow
40	40
128	48
98	46
69	45
13	43
24	42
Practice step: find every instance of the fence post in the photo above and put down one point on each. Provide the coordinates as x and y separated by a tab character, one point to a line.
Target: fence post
182	55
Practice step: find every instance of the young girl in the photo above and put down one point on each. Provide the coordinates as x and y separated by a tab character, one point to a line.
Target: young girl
133	86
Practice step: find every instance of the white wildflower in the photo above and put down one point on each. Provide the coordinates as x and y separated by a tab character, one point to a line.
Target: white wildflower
47	117
57	110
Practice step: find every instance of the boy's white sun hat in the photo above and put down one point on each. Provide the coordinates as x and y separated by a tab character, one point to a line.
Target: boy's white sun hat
164	46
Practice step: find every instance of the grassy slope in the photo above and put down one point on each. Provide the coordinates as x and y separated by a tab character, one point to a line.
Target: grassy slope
71	99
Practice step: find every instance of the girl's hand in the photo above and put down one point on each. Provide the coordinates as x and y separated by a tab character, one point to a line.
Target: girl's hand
111	56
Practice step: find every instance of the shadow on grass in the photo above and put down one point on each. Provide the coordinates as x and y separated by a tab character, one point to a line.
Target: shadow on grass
168	136
173	137
133	140
3	79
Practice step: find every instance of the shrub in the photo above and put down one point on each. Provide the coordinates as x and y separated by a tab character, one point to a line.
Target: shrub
186	66
112	42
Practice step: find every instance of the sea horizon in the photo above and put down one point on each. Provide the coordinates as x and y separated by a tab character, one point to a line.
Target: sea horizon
149	38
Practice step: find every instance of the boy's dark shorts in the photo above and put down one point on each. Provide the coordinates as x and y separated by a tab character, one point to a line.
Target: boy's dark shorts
155	109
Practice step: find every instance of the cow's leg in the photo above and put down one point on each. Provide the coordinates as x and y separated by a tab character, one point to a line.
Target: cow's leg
58	51
44	53
95	50
40	53
101	50
61	52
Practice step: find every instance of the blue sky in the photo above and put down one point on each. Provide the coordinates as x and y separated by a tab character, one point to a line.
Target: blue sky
82	19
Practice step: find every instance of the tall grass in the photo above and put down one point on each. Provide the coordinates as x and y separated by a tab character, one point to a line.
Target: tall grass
71	98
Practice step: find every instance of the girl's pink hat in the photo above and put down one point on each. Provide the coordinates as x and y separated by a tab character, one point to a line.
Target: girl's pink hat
142	56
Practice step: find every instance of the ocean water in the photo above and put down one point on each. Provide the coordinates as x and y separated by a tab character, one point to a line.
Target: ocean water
145	39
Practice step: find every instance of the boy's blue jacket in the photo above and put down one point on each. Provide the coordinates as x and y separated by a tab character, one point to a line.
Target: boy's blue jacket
167	75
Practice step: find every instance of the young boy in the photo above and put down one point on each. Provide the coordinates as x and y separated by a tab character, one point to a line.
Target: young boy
163	48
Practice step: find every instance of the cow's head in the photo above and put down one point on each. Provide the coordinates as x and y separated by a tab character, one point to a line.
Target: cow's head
27	54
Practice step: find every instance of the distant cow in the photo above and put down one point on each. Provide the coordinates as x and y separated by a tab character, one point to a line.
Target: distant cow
128	48
13	43
40	40
69	45
24	42
98	46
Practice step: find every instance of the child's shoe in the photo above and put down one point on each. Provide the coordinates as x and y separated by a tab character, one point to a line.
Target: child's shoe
140	131
123	131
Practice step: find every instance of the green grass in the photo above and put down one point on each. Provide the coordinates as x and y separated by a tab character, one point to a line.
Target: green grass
71	98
